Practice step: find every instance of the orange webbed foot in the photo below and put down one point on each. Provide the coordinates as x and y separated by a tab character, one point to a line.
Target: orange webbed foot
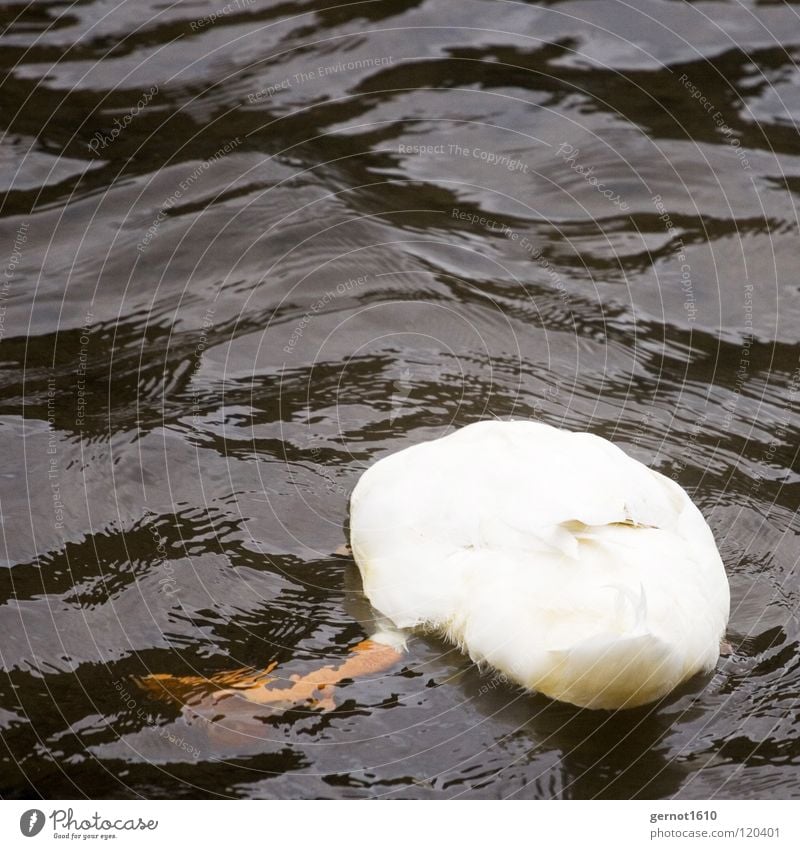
313	691
188	689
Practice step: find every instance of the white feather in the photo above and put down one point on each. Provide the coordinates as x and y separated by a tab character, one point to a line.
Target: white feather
552	556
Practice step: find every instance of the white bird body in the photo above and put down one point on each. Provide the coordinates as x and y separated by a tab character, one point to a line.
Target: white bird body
569	567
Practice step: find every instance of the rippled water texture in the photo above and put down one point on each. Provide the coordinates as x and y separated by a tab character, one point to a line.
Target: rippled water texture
248	249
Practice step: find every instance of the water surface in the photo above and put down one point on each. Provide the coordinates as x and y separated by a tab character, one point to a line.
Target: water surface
246	253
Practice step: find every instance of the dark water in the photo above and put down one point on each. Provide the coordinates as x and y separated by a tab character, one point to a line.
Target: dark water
231	282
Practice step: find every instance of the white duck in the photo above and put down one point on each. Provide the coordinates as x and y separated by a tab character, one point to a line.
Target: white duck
569	567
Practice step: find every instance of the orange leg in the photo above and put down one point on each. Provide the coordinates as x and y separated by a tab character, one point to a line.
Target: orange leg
188	689
315	689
